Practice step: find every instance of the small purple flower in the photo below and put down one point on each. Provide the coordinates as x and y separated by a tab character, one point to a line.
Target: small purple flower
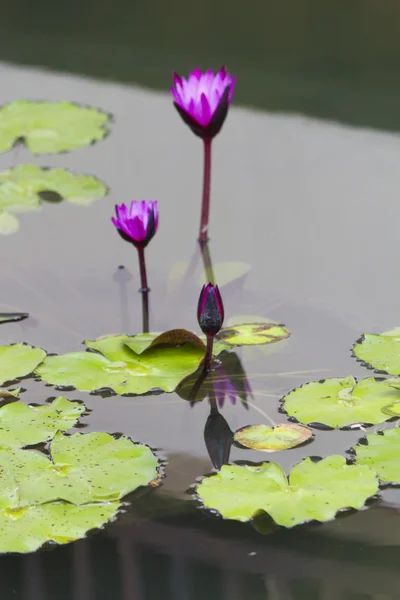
203	100
210	310
136	224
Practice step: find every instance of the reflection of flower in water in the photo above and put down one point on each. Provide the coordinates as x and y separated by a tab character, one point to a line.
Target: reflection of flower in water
225	386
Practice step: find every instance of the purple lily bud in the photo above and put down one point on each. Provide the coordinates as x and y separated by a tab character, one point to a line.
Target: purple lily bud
136	224
203	100
210	310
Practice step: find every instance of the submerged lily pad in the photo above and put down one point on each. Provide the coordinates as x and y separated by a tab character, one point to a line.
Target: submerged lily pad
24	425
50	127
8	223
18	360
85	468
272	439
248	334
380	351
21	188
381	454
120	368
314	491
340	402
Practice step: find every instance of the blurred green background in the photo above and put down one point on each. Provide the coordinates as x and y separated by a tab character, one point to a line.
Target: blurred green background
335	60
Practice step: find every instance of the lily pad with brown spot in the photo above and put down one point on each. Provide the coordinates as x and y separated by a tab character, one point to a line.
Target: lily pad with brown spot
248	334
272	439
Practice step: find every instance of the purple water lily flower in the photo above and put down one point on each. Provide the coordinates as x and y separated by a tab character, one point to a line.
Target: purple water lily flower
203	100
210	310
137	224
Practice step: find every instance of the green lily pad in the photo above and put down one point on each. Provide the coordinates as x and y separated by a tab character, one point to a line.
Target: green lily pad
24	425
18	360
20	188
120	368
26	529
248	334
272	439
174	337
340	402
381	454
10	393
50	127
392	409
380	351
85	468
12	317
8	223
314	491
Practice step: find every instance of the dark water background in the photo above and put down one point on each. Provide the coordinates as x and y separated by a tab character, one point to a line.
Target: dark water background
311	205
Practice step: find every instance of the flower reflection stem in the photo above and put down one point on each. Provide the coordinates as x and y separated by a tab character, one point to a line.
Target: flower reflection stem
209	353
205	208
144	289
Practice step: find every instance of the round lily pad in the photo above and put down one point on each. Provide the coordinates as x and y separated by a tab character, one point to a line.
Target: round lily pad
314	491
18	360
381	454
50	127
248	334
341	402
24	425
380	351
121	369
84	468
392	409
272	439
26	529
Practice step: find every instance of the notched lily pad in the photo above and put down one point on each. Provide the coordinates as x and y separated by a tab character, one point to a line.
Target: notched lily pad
380	351
120	368
314	491
50	127
248	334
272	439
84	468
18	360
381	454
25	425
340	402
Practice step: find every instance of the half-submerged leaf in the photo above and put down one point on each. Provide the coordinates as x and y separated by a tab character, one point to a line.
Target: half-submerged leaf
174	337
381	454
315	491
248	334
85	468
380	351
341	402
18	360
120	368
50	127
24	425
272	439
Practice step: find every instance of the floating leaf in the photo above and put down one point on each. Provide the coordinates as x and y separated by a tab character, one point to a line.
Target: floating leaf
27	529
12	317
247	334
85	468
50	127
272	439
340	402
381	352
9	394
381	454
174	337
18	360
314	490
24	425
392	409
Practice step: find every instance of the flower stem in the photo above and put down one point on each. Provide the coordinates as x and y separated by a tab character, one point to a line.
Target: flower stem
206	256
144	289
205	208
209	354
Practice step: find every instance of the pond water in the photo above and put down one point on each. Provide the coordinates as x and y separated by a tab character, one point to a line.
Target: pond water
310	205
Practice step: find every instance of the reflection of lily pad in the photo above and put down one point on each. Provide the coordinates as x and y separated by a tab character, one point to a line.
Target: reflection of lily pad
248	334
272	439
339	402
18	360
381	352
382	454
24	425
120	368
314	490
27	529
49	127
85	468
